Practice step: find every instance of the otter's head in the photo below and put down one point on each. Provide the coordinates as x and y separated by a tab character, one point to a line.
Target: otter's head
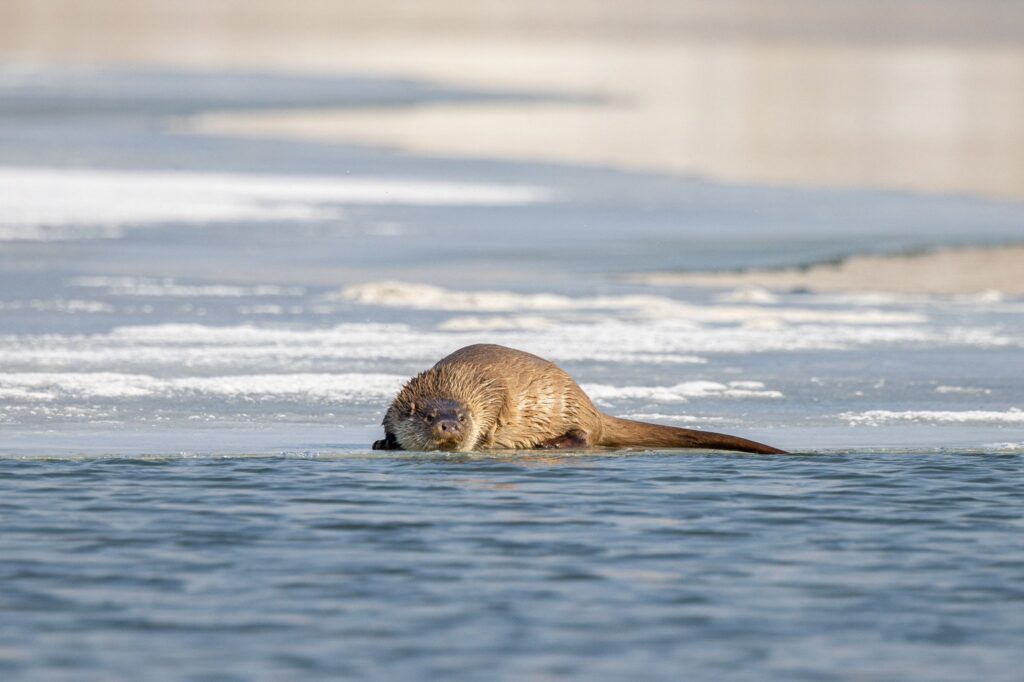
434	424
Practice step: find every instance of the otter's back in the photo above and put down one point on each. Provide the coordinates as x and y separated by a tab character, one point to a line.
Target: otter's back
542	401
491	356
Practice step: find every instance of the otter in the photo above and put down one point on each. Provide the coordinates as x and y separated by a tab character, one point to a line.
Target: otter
486	396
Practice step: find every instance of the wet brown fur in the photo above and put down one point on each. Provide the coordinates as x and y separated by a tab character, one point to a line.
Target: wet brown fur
515	400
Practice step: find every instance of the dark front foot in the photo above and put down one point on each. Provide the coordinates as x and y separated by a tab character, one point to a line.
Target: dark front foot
389	443
574	440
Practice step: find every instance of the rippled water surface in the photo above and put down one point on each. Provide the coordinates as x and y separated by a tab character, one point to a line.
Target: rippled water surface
834	566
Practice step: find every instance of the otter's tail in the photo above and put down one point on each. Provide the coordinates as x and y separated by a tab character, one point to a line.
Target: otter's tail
624	433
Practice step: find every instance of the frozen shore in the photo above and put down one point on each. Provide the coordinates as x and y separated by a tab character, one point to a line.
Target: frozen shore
954	271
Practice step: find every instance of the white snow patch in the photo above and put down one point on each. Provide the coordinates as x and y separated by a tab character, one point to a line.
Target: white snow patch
428	297
658	416
1005	447
58	305
154	287
47	386
48	204
878	417
970	390
251	348
496	323
680	393
749	295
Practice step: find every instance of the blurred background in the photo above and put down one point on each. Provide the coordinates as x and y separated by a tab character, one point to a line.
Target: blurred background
920	94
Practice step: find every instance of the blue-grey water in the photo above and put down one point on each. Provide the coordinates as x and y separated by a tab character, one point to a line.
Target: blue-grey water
829	567
199	336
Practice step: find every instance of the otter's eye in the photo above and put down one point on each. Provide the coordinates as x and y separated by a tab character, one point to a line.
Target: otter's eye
462	417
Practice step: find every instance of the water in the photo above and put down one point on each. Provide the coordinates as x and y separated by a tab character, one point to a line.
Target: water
199	336
588	567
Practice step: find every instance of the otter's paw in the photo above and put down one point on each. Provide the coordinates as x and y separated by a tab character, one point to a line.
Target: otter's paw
389	442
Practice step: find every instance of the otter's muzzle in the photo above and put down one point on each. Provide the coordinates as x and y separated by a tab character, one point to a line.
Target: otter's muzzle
447	433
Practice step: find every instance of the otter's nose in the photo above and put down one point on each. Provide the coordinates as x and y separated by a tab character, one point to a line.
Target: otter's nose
446	428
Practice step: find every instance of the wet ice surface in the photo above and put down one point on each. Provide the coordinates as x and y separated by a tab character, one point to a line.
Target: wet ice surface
174	361
171	303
